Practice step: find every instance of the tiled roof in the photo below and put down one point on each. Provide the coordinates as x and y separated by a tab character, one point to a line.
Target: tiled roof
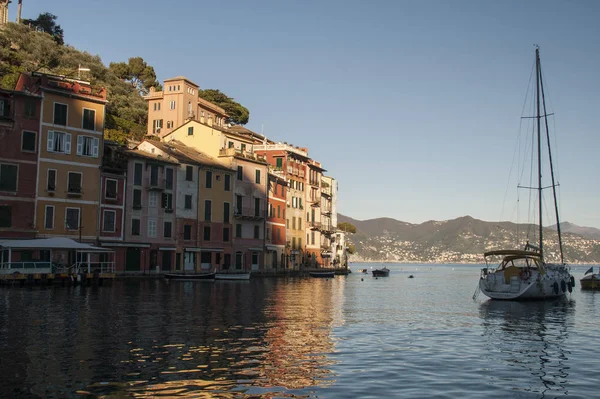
147	155
189	155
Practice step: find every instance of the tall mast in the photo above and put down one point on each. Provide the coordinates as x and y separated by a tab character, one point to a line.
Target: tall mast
539	145
560	246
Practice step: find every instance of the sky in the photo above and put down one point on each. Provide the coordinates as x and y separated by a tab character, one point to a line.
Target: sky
413	106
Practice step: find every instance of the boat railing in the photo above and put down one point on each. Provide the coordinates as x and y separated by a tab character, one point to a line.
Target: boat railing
91	267
26	267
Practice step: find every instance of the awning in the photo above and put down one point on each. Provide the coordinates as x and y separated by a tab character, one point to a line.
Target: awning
50	243
167	249
273	247
199	249
256	249
124	244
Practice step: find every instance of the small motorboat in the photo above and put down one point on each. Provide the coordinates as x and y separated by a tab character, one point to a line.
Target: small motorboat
232	276
383	272
327	274
364	271
190	276
590	281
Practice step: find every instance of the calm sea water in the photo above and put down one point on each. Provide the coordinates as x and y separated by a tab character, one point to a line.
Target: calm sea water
347	337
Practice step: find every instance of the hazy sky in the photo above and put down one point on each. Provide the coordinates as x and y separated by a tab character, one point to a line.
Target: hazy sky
414	106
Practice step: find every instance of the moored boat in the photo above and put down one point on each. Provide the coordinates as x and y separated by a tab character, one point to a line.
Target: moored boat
325	274
383	272
590	281
364	271
524	274
232	276
190	276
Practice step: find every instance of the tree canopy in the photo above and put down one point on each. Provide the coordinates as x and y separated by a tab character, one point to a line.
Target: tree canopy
346	227
46	22
238	114
137	72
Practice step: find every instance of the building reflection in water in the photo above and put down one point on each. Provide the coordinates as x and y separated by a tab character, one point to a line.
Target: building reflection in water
530	338
153	338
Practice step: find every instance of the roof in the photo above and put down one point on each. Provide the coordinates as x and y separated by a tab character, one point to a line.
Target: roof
147	155
512	252
212	106
180	78
50	243
189	155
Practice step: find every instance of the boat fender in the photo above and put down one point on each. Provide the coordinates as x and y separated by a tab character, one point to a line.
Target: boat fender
525	274
555	287
563	286
572	281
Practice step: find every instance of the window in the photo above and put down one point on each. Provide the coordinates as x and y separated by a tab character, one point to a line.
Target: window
87	146
208	179
51	180
278	163
29	108
191	131
5	216
167	229
312	238
137	198
188	202
109	221
157	124
278	211
238	204
8	177
59	142
230	144
240	173
72	219
60	114
135	227
257	176
293	223
189	173
206	233
257	207
137	174
154	175
207	210
111	189
169	178
243	147
89	119
3	109
167	202
238	230
256	231
226	212
28	142
152	199
225	234
299	223
187	232
49	217
74	183
227	183
151	227
172	104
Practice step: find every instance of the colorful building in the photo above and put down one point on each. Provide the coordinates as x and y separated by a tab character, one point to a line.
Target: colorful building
69	157
19	135
313	215
275	237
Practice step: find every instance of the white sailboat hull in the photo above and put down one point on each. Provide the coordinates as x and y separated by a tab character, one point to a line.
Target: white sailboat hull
554	282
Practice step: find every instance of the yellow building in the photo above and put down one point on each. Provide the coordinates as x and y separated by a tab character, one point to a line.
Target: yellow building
70	155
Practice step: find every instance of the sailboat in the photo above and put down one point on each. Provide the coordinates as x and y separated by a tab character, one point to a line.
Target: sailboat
524	273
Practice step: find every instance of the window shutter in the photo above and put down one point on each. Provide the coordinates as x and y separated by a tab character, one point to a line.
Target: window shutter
164	200
50	141
79	145
68	143
95	148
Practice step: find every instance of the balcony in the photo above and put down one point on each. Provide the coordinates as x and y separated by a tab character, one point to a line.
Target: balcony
326	212
154	184
231	152
74	190
314	225
327	229
111	196
326	192
249	213
315	203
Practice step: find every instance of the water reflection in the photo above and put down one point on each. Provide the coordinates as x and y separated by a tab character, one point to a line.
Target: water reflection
529	338
152	338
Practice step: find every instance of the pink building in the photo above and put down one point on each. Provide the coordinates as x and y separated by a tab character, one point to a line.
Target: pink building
150	223
19	135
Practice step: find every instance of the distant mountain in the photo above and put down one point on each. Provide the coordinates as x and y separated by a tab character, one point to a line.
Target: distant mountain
587	232
462	240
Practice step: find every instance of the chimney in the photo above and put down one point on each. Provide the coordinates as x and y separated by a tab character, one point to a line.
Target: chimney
19	11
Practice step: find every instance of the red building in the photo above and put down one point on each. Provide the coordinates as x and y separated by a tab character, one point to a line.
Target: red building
19	135
275	237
